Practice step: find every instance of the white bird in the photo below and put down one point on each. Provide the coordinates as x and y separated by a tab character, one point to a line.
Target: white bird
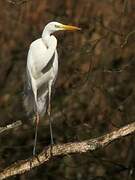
41	73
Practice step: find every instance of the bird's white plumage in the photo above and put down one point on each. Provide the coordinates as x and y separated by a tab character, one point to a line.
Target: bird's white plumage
41	72
39	56
42	67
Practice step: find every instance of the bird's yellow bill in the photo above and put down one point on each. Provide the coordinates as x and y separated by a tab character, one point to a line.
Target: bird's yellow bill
70	28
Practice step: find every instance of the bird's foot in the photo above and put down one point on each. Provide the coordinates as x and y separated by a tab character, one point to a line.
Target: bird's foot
32	158
51	149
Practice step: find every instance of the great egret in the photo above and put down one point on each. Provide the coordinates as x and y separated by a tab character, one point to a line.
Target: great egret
41	72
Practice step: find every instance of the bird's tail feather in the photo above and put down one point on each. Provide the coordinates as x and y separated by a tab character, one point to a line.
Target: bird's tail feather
42	104
29	104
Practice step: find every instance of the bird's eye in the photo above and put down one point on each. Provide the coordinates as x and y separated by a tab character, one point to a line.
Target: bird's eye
56	26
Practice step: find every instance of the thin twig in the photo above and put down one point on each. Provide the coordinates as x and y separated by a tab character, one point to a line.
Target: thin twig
64	149
127	38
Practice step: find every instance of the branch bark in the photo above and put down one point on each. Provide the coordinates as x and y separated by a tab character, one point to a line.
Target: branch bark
64	149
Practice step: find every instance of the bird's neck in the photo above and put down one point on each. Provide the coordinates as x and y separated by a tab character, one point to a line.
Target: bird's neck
45	37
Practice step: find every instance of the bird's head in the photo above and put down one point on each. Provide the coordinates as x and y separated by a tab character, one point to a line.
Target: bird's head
55	26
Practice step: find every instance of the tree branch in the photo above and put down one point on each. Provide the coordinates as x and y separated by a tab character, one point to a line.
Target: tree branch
10	126
63	149
17	2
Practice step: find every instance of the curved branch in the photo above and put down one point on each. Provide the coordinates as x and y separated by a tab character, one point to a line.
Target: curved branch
63	149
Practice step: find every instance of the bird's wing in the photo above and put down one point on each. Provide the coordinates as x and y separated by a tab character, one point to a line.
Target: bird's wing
39	55
29	101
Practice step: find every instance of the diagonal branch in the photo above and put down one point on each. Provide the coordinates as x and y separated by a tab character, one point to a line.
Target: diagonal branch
10	126
68	148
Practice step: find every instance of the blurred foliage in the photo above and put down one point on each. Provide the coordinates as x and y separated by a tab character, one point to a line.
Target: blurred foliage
94	92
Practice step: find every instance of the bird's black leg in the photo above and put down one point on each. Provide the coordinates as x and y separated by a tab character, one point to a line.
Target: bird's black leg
35	139
36	131
51	132
49	114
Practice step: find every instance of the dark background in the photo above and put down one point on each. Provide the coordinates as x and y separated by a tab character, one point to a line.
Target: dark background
94	92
